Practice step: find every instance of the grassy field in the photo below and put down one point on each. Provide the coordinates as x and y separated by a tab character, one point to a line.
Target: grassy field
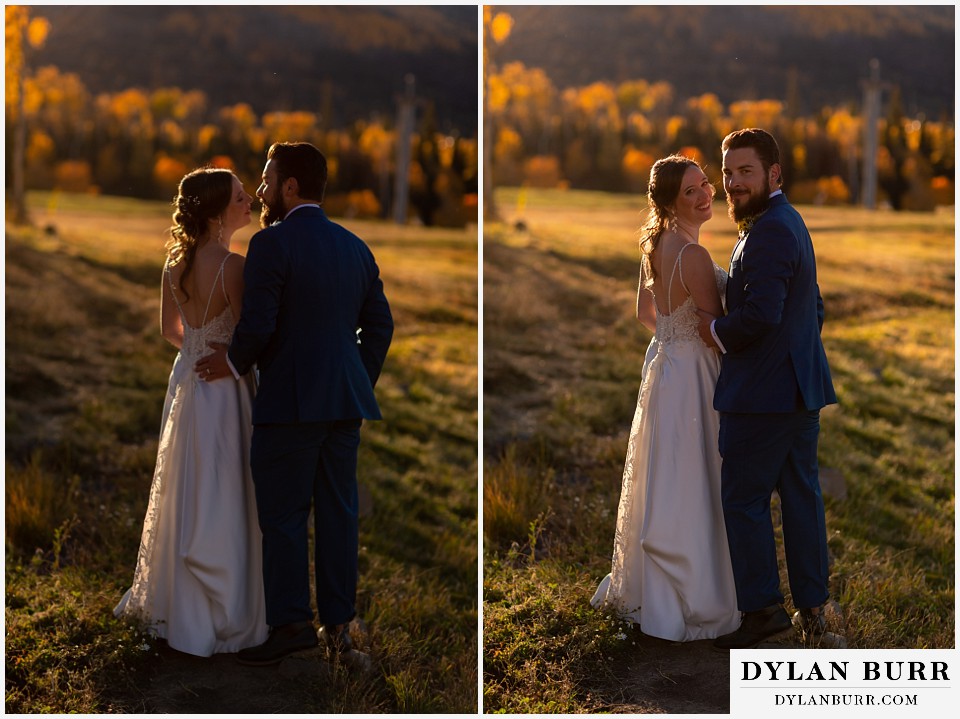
561	371
86	373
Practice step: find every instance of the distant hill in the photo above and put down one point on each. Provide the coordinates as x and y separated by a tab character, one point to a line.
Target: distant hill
346	62
746	52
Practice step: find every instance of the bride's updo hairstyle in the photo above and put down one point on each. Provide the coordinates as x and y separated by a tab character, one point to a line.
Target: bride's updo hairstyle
666	177
203	195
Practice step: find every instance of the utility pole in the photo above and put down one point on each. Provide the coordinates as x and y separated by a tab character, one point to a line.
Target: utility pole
871	120
401	183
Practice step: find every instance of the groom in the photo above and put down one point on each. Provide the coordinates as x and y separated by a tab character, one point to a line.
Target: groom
774	380
317	325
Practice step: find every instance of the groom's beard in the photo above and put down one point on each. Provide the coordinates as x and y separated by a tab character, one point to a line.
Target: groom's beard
755	204
272	211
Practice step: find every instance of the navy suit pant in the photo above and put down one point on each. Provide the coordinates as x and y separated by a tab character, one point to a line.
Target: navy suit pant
763	453
294	466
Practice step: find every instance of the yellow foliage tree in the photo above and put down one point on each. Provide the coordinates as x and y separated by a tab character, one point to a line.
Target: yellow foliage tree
832	191
596	104
756	113
39	159
22	34
130	112
290	126
375	142
508	155
705	112
56	100
496	29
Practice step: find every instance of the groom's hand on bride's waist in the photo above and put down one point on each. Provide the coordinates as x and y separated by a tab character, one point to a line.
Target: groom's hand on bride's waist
214	366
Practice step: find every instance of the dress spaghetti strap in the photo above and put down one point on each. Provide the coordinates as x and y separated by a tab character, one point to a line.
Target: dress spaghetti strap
676	266
223	279
220	276
173	291
214	289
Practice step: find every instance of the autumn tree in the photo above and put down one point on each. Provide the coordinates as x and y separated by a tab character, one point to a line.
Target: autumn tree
423	194
592	114
893	140
127	144
376	143
23	33
496	29
526	99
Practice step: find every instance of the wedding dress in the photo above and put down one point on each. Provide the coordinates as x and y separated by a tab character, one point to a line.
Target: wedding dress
671	570
198	580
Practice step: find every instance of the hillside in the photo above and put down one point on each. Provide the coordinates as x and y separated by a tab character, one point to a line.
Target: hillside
343	62
746	52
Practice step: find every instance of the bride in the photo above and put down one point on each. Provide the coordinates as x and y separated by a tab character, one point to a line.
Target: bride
197	582
671	570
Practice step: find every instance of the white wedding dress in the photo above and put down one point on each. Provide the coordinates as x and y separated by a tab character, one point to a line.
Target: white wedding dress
671	569
198	581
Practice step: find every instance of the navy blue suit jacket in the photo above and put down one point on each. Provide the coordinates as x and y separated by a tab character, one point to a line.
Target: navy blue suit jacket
771	332
310	284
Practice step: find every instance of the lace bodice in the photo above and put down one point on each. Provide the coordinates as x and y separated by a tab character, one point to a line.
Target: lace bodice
219	329
682	324
196	339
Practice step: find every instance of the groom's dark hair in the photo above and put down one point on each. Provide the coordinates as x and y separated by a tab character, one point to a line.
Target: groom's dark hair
760	140
305	163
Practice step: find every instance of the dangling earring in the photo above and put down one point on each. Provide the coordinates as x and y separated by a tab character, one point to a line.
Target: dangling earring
220	231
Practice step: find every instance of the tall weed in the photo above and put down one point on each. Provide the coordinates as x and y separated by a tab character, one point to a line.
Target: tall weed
38	503
515	495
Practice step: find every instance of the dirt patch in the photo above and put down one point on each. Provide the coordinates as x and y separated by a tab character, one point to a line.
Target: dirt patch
664	677
180	683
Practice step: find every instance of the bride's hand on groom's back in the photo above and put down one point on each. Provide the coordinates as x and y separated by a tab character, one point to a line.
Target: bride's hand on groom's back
705	334
214	366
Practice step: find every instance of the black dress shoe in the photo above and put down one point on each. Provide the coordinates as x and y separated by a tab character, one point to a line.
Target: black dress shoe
812	626
283	640
756	626
337	637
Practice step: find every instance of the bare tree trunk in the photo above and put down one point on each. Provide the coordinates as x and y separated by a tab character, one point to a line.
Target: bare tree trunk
489	206
19	209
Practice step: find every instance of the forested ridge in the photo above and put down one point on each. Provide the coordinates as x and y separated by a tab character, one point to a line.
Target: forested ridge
589	97
746	52
125	100
346	62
